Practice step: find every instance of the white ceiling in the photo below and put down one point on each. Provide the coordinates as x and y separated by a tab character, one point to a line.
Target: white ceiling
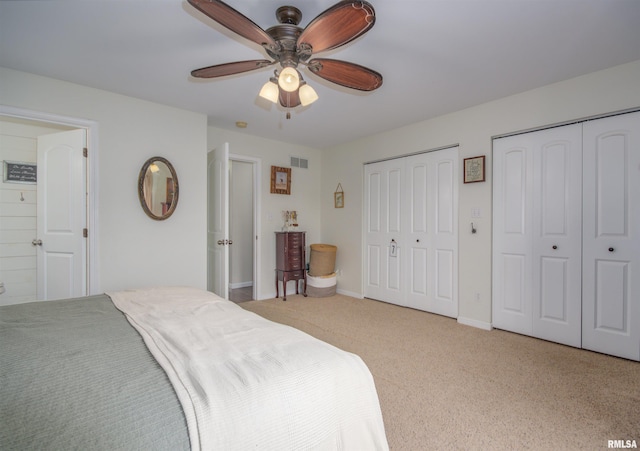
436	56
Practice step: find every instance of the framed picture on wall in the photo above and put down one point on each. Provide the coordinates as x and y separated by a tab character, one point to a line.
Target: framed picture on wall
338	197
280	180
474	169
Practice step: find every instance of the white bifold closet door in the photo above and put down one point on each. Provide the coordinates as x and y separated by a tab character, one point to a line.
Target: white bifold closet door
411	238
611	254
537	235
566	234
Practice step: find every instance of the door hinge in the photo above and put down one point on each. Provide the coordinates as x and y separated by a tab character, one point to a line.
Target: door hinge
85	152
85	233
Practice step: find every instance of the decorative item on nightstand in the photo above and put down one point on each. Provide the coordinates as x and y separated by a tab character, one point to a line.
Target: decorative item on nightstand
290	261
290	219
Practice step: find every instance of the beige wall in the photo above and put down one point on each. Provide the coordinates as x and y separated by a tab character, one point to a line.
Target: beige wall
601	92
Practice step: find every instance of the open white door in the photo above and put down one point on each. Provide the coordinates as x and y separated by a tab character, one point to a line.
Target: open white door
218	221
62	216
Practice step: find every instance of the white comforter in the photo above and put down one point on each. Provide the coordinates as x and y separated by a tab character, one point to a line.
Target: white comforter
248	383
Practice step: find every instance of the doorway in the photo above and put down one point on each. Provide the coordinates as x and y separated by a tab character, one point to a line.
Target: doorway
241	230
233	209
19	279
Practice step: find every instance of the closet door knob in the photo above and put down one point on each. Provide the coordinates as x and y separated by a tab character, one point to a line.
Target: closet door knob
611	249
554	247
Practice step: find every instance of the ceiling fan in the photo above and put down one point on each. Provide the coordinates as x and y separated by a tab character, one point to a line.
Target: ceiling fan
291	46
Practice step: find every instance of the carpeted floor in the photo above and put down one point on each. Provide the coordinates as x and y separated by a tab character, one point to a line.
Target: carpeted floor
443	385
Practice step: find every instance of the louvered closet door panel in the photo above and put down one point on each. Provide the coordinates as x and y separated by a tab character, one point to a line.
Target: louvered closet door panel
611	253
512	234
383	189
557	237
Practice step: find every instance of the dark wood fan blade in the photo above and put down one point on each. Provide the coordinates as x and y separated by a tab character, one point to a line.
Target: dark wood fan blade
238	67
289	99
338	25
238	23
346	74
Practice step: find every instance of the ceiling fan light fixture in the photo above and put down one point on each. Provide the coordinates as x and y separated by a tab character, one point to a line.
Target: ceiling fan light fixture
289	79
270	91
307	94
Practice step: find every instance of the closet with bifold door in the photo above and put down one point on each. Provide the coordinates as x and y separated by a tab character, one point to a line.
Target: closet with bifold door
566	234
411	231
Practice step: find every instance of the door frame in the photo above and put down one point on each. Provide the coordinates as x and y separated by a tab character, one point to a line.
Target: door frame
256	164
91	128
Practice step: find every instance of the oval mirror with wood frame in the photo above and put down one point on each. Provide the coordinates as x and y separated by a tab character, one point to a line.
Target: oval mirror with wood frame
158	188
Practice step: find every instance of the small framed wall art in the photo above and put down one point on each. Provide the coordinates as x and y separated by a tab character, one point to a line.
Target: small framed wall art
280	180
20	172
338	197
474	169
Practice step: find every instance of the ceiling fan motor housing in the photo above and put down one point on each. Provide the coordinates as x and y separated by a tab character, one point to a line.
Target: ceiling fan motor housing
289	15
286	35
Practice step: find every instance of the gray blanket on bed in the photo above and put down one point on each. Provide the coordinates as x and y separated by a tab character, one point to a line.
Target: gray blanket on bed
74	374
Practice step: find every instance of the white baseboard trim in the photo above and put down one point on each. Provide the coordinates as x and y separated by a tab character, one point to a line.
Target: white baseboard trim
474	323
241	285
349	293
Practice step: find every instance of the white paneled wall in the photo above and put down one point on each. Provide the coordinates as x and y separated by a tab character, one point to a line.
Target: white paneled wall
18	141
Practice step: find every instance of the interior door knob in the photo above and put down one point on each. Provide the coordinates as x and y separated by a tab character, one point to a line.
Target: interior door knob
37	242
220	242
611	249
554	247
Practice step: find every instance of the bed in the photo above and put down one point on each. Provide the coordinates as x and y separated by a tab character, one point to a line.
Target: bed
175	368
